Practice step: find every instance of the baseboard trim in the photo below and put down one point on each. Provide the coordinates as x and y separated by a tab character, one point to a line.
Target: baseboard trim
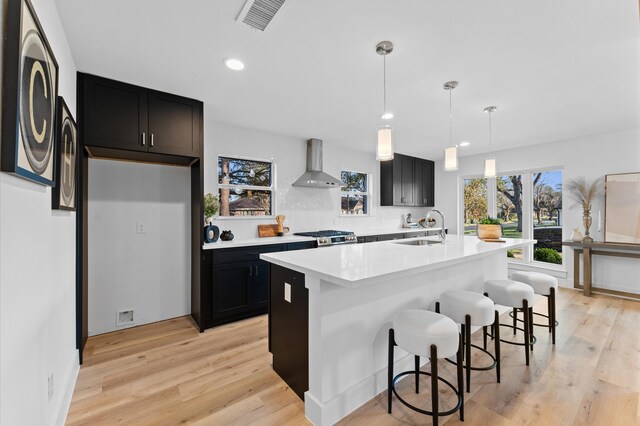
70	383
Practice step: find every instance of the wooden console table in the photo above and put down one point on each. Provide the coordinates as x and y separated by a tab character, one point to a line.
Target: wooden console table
599	248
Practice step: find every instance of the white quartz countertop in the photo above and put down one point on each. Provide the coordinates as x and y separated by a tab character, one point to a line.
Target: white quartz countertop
355	265
247	242
396	231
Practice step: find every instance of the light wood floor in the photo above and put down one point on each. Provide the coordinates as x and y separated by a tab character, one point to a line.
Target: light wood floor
167	373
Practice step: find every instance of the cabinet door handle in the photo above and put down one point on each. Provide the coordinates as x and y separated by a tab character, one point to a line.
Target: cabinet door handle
255	271
151	143
144	138
250	271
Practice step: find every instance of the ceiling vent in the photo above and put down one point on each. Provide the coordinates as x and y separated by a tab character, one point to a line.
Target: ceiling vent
258	13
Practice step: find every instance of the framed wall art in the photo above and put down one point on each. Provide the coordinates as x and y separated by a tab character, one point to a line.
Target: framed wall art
622	208
63	195
30	79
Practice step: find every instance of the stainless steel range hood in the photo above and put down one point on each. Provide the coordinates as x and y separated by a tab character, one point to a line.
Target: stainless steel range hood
314	177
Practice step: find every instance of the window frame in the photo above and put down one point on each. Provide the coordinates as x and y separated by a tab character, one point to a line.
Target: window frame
527	210
368	194
272	188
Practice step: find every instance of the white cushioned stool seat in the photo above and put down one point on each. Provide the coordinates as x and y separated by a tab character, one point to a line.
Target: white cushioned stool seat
457	304
541	283
416	330
509	292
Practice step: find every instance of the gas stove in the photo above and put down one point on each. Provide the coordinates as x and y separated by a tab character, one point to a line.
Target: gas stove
330	237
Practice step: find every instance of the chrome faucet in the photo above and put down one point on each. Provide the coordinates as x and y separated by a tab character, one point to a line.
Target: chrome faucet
443	234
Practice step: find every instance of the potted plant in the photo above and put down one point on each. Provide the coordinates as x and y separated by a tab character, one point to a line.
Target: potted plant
211	207
489	229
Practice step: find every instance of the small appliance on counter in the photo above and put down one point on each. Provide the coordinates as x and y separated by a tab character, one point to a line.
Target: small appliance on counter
226	235
330	237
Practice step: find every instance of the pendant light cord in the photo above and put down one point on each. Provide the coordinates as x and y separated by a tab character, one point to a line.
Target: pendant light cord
450	120
384	84
490	136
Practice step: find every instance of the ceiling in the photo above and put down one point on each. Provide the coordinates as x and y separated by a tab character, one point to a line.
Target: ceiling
556	69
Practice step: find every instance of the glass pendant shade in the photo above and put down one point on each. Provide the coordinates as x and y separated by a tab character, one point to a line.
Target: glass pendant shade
490	168
451	159
384	149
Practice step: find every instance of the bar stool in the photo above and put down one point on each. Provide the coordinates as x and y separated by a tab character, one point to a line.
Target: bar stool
472	309
518	295
428	334
544	285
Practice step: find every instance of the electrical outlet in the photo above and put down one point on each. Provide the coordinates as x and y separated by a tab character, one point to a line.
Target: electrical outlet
141	228
50	387
287	292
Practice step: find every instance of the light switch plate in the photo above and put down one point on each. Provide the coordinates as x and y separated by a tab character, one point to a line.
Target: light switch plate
140	228
287	292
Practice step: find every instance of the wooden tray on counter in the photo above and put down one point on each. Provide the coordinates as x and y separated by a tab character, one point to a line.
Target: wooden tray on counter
270	230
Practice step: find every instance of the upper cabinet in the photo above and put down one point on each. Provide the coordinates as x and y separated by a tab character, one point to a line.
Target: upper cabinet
407	181
127	117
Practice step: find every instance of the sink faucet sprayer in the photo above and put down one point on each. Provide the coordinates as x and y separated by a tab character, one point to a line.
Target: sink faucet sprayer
443	234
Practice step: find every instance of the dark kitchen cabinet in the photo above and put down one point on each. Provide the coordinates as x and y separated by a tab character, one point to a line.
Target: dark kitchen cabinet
289	328
121	116
237	282
407	181
232	293
424	188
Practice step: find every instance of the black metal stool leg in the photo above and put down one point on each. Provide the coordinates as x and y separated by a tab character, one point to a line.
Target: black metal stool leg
549	311
434	383
417	367
459	368
515	320
390	370
552	315
496	323
467	347
484	337
525	314
531	335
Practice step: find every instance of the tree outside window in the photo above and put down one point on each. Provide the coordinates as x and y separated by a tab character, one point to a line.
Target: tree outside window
245	187
354	199
475	204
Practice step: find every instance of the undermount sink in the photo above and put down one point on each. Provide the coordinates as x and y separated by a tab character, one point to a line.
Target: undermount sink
418	242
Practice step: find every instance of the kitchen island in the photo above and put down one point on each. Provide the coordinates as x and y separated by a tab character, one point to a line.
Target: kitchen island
331	309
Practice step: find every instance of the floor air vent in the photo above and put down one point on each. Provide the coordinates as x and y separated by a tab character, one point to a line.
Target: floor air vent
124	318
259	13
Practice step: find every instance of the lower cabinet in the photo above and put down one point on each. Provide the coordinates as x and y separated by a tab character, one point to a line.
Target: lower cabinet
236	282
234	292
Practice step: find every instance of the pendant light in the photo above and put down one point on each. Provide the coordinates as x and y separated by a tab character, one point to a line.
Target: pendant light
450	152
384	148
490	164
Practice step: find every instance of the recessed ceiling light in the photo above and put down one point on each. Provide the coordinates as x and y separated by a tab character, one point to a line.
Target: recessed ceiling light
387	116
234	64
464	143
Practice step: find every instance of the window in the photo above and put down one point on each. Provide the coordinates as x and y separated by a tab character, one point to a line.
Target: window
245	187
528	204
354	199
509	208
475	204
547	214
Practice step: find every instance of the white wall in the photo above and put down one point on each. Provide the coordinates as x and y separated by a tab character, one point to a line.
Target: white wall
306	209
37	277
589	157
148	272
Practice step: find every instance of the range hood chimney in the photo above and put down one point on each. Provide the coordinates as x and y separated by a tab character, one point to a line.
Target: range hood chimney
314	177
